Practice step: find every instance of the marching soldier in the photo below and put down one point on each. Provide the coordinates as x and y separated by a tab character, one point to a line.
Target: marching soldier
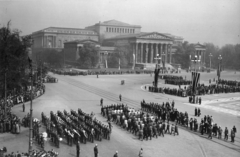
23	106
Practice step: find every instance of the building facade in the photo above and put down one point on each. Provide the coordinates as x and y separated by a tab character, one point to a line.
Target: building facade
145	46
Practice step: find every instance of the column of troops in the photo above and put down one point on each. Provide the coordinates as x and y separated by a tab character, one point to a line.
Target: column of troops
74	126
206	125
144	125
200	90
229	83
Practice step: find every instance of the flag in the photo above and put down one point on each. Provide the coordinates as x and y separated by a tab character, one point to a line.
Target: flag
195	80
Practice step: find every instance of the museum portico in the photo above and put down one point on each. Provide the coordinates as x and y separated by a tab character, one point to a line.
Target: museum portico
146	46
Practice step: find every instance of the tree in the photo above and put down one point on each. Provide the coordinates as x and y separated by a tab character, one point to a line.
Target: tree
88	56
13	58
182	53
123	53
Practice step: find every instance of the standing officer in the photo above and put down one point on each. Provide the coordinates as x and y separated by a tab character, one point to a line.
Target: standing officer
116	154
78	148
120	97
140	153
23	106
95	151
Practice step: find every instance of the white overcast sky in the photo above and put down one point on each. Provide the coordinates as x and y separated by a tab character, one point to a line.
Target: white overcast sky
215	21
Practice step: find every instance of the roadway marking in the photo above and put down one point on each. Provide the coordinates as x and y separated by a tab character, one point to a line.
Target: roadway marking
225	105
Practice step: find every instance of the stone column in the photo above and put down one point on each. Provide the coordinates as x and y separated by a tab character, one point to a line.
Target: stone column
136	50
157	52
170	57
161	50
141	52
166	54
151	61
42	41
133	56
146	55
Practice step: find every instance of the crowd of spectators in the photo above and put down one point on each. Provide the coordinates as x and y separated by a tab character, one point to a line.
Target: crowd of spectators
205	126
34	153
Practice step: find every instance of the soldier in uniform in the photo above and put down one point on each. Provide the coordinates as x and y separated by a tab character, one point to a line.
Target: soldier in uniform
23	106
95	151
101	102
120	97
78	148
232	135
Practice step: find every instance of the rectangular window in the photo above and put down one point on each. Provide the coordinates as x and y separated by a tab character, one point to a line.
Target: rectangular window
106	29
109	29
115	30
112	29
133	30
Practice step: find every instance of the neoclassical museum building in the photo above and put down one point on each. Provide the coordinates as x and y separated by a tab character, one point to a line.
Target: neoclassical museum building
145	46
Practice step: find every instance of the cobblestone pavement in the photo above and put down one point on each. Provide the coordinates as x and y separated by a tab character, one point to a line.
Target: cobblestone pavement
85	92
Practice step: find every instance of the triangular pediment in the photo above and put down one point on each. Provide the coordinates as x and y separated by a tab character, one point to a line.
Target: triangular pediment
154	35
199	46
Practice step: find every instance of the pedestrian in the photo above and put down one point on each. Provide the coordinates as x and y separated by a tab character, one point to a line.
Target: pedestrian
101	101
200	100
78	148
116	154
232	135
120	97
226	133
95	151
140	153
23	106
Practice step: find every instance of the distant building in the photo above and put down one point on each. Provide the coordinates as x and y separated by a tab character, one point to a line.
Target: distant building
145	45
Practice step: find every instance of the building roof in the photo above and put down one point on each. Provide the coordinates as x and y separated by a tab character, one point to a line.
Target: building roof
116	23
173	36
63	30
154	35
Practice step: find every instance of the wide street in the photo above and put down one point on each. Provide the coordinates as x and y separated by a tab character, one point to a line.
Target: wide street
85	92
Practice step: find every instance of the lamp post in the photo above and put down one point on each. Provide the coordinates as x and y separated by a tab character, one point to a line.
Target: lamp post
29	50
210	56
157	71
219	66
163	62
195	60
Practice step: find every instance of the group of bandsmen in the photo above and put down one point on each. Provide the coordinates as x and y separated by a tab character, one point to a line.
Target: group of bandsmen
34	153
139	123
74	126
176	80
167	112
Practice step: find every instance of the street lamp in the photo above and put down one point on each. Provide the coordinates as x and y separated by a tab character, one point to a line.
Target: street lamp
163	62
219	66
29	50
5	86
157	71
195	60
210	56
